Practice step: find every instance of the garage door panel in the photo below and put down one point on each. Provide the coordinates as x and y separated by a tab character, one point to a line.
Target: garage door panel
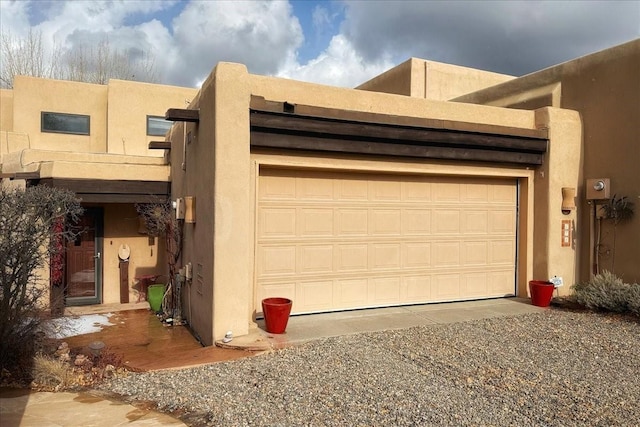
416	255
416	222
276	260
475	222
314	187
351	189
315	295
446	192
385	222
351	293
385	190
418	288
446	287
315	222
315	259
474	284
278	222
501	283
353	257
474	192
352	222
282	290
446	254
502	221
501	252
416	190
274	186
445	221
474	253
385	256
333	241
384	290
503	193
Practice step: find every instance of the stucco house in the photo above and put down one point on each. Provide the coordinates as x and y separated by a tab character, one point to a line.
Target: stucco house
94	140
429	183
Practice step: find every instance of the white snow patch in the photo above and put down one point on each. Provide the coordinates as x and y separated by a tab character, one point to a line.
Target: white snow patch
65	327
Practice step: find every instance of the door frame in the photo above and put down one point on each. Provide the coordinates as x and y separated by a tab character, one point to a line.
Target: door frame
98	216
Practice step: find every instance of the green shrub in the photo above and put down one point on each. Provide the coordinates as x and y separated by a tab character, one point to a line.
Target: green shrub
606	291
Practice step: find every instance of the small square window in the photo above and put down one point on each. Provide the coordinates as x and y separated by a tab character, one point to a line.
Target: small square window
157	126
78	124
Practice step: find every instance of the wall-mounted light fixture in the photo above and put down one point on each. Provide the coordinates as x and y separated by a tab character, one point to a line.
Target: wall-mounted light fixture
598	189
568	200
190	209
178	204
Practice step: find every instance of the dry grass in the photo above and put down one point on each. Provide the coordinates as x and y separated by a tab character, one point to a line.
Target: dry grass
51	372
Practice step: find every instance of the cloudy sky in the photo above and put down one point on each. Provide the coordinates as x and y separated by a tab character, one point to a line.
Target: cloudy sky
340	42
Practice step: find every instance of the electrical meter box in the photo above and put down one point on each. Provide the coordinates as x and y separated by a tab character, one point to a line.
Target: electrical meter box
598	189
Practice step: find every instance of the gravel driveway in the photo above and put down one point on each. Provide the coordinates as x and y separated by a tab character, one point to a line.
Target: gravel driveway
555	368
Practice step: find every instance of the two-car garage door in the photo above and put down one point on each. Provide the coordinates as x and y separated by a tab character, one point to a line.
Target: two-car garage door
343	240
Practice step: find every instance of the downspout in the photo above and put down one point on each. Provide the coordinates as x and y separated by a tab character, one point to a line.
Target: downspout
184	139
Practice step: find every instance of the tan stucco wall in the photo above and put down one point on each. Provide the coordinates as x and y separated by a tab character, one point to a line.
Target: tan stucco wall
34	95
147	255
561	169
129	103
221	174
6	110
604	88
218	245
432	80
72	165
398	80
277	89
118	114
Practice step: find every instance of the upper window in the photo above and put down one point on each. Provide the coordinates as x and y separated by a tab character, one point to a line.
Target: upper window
78	124
157	126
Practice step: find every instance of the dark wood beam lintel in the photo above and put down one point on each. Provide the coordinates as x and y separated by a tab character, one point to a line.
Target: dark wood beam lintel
331	128
105	187
21	175
309	143
122	198
182	115
160	145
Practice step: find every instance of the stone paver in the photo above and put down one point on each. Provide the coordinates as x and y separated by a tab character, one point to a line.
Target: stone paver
22	408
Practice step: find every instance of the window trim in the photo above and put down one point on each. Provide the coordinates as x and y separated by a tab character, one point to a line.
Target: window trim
151	116
42	128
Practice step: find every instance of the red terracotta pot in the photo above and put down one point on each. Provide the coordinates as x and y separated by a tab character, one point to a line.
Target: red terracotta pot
276	314
541	292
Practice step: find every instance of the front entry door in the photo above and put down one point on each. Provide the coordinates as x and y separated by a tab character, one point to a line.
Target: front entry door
84	261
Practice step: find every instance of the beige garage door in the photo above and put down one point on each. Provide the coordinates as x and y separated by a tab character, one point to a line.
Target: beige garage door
335	241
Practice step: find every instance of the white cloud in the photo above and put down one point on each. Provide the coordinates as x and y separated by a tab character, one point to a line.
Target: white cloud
512	37
320	18
260	34
340	65
14	17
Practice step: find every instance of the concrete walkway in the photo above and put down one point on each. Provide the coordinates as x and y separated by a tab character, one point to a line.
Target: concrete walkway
24	409
305	328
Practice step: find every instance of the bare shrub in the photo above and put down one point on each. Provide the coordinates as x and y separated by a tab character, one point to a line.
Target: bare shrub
159	219
34	223
108	357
